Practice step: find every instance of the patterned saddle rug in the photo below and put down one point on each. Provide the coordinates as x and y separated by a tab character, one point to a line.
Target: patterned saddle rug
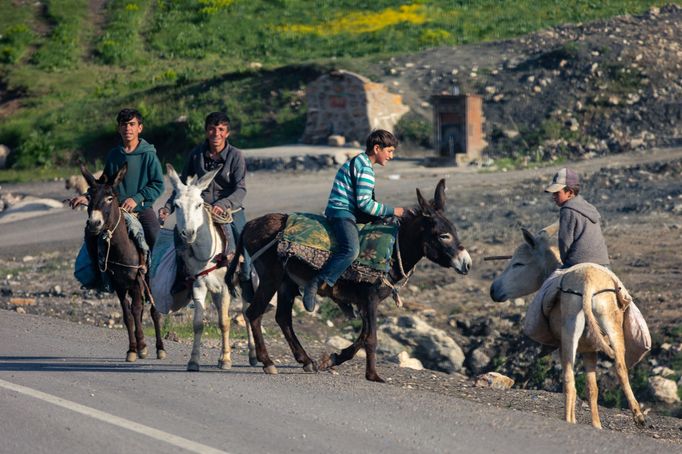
308	238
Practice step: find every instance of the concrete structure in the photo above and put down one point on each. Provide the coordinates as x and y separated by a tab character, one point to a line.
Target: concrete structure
349	105
458	127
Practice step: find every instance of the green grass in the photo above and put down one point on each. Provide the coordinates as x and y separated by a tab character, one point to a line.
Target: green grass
185	331
182	58
63	47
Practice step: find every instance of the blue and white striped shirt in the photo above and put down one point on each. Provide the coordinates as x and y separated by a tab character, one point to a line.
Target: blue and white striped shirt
344	202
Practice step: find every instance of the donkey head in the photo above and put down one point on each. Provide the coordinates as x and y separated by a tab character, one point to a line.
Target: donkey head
103	209
532	262
189	203
439	236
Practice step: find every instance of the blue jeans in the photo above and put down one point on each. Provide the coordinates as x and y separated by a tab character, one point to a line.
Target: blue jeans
347	250
238	223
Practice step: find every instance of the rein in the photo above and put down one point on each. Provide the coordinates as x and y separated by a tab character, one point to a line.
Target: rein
107	236
220	259
395	290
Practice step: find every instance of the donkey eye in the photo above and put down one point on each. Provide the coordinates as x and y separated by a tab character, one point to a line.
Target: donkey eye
517	264
109	199
445	237
197	206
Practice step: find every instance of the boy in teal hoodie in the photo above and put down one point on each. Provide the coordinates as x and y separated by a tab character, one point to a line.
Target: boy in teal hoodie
143	181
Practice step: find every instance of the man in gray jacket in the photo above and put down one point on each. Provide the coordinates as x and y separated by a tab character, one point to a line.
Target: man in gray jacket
580	236
227	190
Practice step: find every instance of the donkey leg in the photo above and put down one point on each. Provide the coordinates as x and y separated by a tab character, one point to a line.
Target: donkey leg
254	315
371	343
253	361
222	303
590	361
285	301
571	330
349	352
131	355
156	318
198	297
136	294
618	343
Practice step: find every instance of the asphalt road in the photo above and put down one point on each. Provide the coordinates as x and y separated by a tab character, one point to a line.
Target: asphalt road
66	388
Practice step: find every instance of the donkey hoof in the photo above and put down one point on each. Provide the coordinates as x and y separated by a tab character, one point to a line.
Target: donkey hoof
375	378
326	361
253	361
639	419
192	367
131	357
161	354
270	370
225	364
143	353
310	367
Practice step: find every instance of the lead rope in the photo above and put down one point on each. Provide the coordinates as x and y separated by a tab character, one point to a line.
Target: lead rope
395	290
107	237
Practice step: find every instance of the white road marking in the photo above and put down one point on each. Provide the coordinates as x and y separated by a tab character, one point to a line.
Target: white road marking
113	419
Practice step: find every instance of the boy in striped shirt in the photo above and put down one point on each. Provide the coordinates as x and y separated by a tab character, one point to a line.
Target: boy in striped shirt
352	197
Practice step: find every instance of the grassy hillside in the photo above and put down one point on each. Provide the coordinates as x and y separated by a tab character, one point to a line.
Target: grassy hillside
67	66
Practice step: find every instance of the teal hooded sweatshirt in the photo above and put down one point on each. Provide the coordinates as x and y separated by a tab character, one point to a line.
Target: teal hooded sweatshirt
143	182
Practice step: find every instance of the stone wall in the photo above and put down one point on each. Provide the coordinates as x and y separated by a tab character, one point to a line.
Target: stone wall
349	105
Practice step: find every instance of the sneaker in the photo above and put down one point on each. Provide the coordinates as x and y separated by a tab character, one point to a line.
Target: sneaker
309	293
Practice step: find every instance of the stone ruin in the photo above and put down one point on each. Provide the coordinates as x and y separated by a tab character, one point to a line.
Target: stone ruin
348	106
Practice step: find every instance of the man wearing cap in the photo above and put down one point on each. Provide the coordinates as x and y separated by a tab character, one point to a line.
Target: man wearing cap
580	236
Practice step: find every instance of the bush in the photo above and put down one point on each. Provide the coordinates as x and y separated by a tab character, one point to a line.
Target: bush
412	129
36	150
13	43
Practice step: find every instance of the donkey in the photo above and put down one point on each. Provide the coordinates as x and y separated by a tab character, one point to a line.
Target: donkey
203	247
124	264
424	232
587	306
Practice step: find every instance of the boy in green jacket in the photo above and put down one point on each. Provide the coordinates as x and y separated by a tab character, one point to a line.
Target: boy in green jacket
143	181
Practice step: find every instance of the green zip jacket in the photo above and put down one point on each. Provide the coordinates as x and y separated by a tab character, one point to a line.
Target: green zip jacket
143	182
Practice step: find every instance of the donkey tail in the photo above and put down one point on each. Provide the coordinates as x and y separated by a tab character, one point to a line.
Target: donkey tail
594	331
230	279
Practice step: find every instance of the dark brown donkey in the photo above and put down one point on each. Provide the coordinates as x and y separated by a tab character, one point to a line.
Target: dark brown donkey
123	263
424	232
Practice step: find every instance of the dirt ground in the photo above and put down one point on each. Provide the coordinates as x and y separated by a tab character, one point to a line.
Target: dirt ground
639	196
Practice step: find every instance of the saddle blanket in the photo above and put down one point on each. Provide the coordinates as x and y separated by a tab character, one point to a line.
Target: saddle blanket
308	237
635	329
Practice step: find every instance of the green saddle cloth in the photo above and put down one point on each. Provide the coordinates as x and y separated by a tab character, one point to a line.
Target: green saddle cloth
308	237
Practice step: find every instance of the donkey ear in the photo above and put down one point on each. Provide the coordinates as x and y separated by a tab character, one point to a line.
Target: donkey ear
439	197
530	239
550	230
89	178
120	174
206	179
423	204
173	176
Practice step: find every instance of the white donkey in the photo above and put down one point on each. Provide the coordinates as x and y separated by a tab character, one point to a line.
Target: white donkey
203	243
587	306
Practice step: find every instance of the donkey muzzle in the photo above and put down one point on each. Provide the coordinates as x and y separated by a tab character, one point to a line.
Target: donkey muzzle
95	222
462	262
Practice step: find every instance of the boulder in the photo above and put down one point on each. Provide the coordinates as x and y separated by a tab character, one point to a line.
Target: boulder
4	155
493	380
663	389
433	347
